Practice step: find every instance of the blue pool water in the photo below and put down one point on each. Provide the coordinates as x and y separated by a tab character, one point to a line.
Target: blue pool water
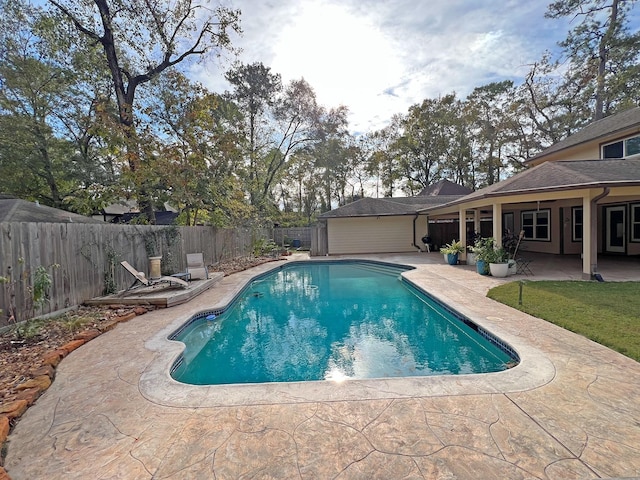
331	320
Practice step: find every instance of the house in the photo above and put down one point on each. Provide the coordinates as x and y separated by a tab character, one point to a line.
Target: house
579	197
127	211
114	210
387	225
163	217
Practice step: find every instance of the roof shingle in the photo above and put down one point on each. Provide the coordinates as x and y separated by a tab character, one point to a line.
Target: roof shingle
16	210
370	207
619	122
563	175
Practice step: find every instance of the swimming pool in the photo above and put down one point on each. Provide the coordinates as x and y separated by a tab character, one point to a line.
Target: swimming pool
332	321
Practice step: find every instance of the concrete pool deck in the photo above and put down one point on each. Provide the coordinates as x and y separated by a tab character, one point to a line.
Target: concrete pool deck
569	410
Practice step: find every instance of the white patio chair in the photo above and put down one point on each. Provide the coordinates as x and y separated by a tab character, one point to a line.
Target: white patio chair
196	267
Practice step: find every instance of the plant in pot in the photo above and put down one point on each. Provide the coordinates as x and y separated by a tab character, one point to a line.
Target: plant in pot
499	262
473	238
483	251
452	250
511	242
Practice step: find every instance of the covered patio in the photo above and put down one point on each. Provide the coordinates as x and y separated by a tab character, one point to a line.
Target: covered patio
564	208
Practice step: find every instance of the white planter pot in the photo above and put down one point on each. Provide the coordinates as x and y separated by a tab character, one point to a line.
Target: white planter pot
513	267
499	269
471	258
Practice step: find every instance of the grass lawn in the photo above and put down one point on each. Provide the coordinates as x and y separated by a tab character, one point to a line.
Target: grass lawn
607	313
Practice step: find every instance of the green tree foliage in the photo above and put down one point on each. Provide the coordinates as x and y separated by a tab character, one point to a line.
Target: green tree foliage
256	90
473	142
77	132
494	122
427	139
548	103
197	144
140	40
603	54
47	109
279	120
303	185
384	161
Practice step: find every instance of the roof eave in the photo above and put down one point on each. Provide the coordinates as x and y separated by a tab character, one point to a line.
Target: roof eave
541	190
369	215
623	131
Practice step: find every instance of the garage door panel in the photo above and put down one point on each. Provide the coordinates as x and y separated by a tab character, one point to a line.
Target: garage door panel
370	235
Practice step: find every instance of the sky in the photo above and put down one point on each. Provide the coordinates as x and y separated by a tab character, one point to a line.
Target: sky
379	57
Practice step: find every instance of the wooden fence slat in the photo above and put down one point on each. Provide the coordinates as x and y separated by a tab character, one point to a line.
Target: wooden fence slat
84	253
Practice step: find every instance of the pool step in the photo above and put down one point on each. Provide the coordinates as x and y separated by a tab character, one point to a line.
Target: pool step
383	269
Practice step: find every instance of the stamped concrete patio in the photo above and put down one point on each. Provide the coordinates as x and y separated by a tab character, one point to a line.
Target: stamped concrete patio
569	410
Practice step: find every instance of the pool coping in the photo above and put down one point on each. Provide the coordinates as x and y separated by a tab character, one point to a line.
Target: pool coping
534	370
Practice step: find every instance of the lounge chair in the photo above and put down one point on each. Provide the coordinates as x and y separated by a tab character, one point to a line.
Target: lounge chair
196	267
148	282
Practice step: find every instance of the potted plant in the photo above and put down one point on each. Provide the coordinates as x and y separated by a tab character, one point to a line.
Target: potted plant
471	256
499	262
482	249
452	251
472	239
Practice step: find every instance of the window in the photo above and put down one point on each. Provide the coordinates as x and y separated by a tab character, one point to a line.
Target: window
635	223
632	146
576	224
613	150
622	148
536	224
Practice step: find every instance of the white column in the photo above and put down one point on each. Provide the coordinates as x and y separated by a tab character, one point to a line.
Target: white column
497	223
589	236
462	227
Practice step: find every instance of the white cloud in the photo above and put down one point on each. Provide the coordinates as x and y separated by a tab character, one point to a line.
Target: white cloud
380	57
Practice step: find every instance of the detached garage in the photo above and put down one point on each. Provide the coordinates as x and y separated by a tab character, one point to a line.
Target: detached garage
385	225
380	234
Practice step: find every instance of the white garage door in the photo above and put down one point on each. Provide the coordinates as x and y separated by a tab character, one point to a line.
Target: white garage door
370	235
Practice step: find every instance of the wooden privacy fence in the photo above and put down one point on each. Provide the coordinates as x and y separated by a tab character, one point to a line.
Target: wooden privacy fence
83	260
319	240
293	236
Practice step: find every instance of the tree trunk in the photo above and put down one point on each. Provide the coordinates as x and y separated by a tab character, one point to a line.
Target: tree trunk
603	60
124	96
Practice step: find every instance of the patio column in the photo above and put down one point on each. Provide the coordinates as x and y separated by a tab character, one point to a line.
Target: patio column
462	228
497	223
589	242
590	232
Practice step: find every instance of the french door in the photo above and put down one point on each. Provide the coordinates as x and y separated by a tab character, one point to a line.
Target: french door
615	226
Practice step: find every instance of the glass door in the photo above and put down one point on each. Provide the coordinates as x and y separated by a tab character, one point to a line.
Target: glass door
615	229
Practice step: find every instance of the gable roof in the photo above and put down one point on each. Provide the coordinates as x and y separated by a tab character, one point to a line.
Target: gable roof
17	210
378	207
605	127
563	175
439	193
444	187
